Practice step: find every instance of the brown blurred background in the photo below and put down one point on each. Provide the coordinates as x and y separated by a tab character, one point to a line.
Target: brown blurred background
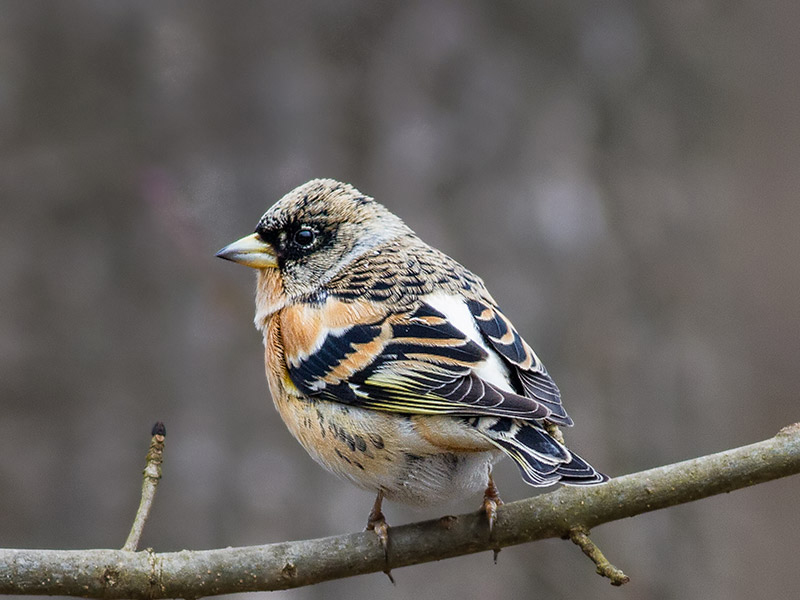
624	175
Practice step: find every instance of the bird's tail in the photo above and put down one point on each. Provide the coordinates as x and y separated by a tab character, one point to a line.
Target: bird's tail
541	459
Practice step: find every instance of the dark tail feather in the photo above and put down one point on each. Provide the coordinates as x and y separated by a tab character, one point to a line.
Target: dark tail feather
542	461
579	472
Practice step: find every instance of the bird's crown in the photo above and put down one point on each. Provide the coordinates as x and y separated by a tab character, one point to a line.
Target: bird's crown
312	233
327	201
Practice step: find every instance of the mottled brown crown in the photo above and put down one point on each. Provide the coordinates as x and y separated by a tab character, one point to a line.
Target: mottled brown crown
331	201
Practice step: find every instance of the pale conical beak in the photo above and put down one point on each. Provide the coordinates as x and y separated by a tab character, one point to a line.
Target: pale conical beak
250	251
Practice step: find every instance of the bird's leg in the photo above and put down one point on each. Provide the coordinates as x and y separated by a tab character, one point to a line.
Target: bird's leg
491	500
377	523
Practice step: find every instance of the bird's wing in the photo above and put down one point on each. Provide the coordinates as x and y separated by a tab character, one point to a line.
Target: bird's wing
502	337
414	361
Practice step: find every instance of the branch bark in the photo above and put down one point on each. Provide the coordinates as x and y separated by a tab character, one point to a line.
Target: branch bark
192	574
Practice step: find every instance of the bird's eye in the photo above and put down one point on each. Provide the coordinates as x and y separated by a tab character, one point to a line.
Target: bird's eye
305	237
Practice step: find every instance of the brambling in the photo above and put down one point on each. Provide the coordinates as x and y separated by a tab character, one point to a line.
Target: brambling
390	362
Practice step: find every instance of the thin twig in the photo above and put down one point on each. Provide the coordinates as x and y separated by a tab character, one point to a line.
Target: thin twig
152	473
111	574
580	536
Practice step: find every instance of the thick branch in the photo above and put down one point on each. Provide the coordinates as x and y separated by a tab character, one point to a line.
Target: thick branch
191	574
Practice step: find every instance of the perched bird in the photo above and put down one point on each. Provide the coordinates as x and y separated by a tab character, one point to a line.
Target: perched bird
390	362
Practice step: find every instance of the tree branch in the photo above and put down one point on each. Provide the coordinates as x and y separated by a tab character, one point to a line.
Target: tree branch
151	475
580	537
192	574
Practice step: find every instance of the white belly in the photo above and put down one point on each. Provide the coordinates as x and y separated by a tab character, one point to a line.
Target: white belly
442	478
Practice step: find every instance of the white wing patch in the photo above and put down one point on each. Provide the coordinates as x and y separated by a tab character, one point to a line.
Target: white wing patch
493	370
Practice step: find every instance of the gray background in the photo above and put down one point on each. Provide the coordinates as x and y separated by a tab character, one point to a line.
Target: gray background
624	176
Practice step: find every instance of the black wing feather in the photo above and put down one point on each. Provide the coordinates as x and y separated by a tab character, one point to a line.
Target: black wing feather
534	379
424	366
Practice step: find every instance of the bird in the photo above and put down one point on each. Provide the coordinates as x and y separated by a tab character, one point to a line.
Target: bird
391	363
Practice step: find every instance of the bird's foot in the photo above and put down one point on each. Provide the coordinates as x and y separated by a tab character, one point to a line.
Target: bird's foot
377	523
491	500
555	432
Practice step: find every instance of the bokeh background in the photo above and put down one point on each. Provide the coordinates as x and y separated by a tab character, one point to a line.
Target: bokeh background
624	175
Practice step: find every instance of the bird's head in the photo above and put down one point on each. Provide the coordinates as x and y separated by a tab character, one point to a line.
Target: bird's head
312	233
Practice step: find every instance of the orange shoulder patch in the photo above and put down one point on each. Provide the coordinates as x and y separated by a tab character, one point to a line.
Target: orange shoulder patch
304	327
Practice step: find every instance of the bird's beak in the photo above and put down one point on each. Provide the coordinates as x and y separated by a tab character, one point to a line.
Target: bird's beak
250	251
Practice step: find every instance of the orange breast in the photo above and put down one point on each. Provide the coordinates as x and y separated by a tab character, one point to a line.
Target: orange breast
418	460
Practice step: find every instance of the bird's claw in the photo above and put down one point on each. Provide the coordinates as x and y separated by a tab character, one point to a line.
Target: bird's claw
381	529
491	500
490	508
377	523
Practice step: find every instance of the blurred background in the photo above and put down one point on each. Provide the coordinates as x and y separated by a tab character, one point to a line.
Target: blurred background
624	175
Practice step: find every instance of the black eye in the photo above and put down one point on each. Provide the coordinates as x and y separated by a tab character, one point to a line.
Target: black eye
305	237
